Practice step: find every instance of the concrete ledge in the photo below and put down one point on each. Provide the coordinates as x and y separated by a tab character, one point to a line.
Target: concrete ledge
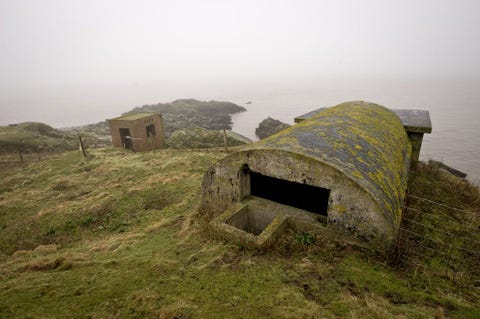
252	228
259	223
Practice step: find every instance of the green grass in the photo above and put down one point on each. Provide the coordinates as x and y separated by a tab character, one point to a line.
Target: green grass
195	137
35	137
116	236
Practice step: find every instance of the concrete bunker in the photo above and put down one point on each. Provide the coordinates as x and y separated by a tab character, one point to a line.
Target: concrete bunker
138	132
344	169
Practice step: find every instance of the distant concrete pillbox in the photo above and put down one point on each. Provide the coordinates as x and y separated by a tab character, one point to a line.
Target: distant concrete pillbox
138	132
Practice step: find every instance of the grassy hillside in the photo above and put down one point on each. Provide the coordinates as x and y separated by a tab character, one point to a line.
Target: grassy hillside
197	137
116	236
39	137
31	136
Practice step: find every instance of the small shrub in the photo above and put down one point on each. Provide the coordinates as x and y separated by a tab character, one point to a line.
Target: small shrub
305	238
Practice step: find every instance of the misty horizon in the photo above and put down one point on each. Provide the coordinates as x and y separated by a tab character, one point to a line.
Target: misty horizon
105	56
86	105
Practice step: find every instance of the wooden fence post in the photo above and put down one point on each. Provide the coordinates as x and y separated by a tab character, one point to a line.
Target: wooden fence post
225	140
400	247
82	146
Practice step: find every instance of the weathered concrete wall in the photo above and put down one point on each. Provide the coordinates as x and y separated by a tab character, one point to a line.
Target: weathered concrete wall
364	141
252	221
357	150
416	142
271	225
138	130
114	131
350	207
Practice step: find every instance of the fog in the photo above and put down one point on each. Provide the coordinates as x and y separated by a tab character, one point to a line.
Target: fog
72	62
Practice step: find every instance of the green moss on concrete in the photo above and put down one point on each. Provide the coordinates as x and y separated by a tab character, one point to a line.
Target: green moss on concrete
365	141
133	117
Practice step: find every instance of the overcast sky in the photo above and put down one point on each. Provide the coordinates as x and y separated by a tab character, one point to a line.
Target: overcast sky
72	42
52	46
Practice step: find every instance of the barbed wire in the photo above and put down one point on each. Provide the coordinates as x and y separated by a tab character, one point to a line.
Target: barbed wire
460	276
455	236
436	251
424	240
440	242
437	216
443	205
423	246
452	263
455	272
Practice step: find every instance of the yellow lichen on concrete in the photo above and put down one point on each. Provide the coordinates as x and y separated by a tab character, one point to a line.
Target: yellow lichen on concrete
365	141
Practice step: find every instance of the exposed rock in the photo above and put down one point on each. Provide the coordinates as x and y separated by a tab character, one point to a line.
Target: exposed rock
269	127
179	114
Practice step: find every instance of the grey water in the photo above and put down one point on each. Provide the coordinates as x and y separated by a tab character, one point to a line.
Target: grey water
454	106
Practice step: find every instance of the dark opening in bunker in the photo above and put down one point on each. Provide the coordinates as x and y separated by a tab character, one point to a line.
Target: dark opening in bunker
307	197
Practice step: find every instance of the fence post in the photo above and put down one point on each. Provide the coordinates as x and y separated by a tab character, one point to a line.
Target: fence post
20	156
225	140
82	146
399	247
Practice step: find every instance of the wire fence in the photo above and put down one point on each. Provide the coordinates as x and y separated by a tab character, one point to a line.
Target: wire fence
440	241
21	157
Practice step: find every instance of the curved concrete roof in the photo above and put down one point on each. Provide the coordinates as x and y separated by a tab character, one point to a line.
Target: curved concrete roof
365	141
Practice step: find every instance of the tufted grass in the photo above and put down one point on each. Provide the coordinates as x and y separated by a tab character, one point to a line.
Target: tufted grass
116	236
